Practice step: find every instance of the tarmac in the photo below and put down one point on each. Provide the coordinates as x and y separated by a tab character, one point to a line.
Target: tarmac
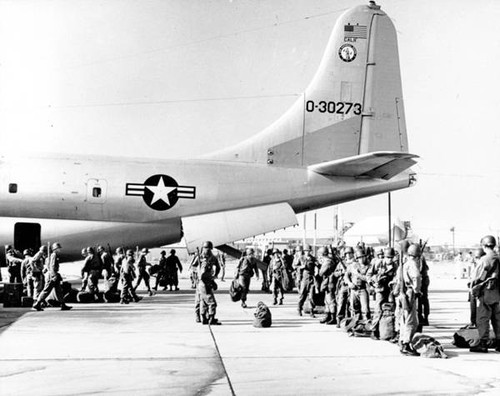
155	347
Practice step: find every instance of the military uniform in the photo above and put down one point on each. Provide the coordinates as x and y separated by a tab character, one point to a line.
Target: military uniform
308	265
143	274
37	267
205	304
172	265
127	275
486	287
93	265
14	266
52	281
27	275
277	273
328	285
357	280
342	290
107	264
247	267
381	273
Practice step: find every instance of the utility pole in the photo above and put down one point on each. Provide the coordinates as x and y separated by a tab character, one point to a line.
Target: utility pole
390	220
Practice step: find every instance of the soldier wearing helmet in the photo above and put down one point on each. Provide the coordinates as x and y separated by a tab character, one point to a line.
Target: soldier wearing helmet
410	281
288	260
277	276
205	305
342	289
161	276
486	288
93	267
246	268
38	264
309	266
119	257
172	267
297	259
473	301
356	277
142	264
27	273
108	268
328	284
127	276
52	281
14	261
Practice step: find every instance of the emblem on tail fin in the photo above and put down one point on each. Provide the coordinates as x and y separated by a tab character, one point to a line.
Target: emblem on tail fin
160	192
347	52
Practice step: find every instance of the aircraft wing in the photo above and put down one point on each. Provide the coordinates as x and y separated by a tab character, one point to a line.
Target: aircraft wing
378	165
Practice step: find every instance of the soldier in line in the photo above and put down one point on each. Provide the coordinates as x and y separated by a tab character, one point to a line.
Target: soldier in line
486	288
207	267
161	276
342	287
85	271
127	275
143	274
423	298
356	278
288	260
297	259
52	281
27	273
107	263
308	265
173	264
193	272
277	273
473	301
37	267
14	260
222	263
267	261
120	256
93	265
409	284
247	267
327	272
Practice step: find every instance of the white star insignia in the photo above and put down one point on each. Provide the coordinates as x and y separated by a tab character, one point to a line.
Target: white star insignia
161	192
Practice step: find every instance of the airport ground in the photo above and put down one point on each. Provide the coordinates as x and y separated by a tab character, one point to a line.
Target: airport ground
155	348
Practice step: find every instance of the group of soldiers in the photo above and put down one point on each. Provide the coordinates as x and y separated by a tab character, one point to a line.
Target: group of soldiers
39	274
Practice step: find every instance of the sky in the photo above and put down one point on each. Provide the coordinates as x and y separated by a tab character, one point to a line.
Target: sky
174	79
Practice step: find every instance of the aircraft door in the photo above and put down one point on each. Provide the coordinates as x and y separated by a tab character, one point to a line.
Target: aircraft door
27	236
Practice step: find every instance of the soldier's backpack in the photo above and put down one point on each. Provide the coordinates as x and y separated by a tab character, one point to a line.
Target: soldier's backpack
427	346
467	337
386	324
235	290
347	324
262	315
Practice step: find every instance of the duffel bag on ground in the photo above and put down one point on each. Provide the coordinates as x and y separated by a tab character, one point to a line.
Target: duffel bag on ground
262	315
469	337
235	290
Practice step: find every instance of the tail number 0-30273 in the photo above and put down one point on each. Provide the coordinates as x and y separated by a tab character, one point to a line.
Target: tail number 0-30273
333	107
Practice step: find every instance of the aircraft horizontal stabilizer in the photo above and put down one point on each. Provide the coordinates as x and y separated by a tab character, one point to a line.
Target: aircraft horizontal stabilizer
233	225
377	165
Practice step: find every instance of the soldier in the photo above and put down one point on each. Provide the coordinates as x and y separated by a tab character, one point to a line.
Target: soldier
478	253
307	264
327	272
296	265
267	261
143	274
423	298
161	276
381	273
173	265
277	273
93	265
247	267
341	287
222	262
107	263
205	305
120	256
85	271
37	268
486	288
27	273
288	260
127	275
409	284
14	261
356	278
52	281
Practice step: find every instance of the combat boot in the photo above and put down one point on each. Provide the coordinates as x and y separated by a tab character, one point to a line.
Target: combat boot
204	319
65	307
123	301
407	350
481	347
212	321
38	306
281	301
332	321
243	304
275	301
137	299
326	318
299	310
197	319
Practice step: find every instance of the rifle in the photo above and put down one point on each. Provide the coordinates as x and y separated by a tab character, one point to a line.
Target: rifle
477	289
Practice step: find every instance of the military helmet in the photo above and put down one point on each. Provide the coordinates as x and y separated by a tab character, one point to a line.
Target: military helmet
299	248
26	252
349	249
359	253
380	252
56	245
130	252
276	251
90	250
250	249
322	251
84	251
100	249
307	248
119	250
208	245
163	252
489	241
414	250
145	250
478	253
43	249
389	252
172	251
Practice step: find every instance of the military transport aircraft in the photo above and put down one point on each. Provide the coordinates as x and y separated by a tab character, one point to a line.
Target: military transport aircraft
344	138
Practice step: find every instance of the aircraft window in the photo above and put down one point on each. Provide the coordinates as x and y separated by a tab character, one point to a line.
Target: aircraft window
96	192
13	188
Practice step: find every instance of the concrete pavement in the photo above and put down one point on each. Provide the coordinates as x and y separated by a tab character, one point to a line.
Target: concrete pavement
155	348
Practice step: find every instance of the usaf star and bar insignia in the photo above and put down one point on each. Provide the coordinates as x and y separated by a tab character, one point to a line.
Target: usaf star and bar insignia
160	192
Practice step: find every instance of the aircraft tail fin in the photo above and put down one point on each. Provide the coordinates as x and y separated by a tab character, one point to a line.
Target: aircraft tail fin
353	106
